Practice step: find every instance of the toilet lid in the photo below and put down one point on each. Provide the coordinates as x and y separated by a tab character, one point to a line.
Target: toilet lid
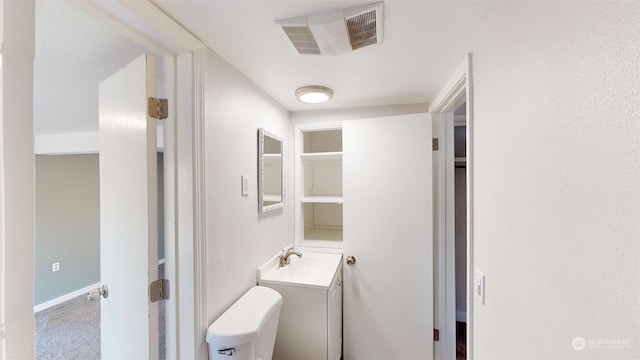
242	322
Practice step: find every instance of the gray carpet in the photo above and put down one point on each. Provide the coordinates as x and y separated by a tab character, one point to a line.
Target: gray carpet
71	330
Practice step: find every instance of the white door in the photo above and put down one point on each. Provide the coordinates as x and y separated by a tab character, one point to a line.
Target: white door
388	291
128	213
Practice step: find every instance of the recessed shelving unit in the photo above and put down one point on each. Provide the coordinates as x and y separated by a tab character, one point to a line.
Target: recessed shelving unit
320	188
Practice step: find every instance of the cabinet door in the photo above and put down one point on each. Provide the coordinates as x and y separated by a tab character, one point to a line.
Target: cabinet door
334	319
388	291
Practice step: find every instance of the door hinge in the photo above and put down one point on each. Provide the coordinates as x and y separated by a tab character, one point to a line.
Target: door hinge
436	144
158	108
159	290
436	335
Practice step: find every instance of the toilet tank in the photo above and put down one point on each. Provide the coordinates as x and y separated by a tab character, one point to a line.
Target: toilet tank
249	326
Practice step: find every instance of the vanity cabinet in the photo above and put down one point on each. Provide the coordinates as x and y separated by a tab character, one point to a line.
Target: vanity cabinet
319	187
310	325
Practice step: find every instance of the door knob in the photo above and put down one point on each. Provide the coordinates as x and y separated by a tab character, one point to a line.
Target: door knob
351	260
95	294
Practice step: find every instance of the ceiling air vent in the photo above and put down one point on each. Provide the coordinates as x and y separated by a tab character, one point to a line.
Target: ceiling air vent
302	39
362	30
336	32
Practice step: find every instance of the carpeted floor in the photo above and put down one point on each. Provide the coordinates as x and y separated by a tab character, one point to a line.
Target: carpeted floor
71	330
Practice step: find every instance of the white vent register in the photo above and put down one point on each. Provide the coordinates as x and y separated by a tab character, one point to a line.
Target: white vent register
335	32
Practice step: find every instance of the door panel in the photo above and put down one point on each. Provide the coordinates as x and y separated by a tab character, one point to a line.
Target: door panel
388	292
128	213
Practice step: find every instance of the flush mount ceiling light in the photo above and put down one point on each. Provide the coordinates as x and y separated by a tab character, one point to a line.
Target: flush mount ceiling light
314	94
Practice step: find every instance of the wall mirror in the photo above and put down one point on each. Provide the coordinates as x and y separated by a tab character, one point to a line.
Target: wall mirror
270	171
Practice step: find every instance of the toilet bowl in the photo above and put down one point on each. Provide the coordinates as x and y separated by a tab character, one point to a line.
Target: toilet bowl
247	330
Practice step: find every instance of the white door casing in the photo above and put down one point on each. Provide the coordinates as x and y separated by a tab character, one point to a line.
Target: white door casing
146	24
128	213
388	228
458	90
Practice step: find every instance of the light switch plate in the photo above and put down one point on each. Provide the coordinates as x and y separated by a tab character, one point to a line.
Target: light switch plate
245	185
478	286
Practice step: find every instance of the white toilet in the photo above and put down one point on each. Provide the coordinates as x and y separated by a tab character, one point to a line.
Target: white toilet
247	330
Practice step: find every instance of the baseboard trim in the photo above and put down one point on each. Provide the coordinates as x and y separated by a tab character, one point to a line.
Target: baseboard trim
65	297
71	295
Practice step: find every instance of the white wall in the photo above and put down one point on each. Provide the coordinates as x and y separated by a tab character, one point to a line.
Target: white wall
17	179
557	174
74	53
239	239
318	116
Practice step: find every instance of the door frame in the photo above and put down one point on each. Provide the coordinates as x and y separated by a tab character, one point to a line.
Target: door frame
183	61
17	186
458	90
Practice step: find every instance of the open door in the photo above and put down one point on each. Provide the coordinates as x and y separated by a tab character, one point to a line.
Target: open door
388	238
128	213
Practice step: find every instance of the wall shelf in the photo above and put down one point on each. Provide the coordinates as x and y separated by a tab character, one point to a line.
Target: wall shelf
323	156
322	237
322	199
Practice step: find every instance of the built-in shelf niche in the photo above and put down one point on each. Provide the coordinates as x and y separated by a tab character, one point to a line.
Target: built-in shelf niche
321	188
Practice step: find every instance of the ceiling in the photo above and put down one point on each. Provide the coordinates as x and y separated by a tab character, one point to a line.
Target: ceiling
424	41
74	52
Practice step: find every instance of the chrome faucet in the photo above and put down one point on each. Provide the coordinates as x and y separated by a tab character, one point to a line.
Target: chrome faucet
284	258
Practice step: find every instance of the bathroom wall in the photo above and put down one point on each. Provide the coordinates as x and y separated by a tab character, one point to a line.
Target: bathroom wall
318	116
557	202
239	239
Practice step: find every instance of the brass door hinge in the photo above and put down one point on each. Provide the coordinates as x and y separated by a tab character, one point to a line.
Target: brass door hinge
436	335
436	144
159	290
158	108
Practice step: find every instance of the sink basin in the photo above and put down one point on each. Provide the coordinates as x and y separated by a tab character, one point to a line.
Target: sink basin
315	270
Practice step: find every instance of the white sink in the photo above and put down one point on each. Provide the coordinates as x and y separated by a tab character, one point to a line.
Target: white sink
315	270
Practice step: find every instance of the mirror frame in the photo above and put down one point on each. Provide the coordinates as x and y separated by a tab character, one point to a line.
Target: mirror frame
261	207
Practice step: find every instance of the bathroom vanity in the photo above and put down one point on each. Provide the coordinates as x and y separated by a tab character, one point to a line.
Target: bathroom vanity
310	325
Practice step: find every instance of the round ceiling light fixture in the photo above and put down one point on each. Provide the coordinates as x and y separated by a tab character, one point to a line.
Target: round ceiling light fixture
314	94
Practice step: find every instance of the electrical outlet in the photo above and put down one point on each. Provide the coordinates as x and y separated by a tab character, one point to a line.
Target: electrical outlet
55	267
478	286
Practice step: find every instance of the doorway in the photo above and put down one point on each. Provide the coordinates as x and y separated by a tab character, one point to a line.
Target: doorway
74	52
453	233
460	205
182	66
67	235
